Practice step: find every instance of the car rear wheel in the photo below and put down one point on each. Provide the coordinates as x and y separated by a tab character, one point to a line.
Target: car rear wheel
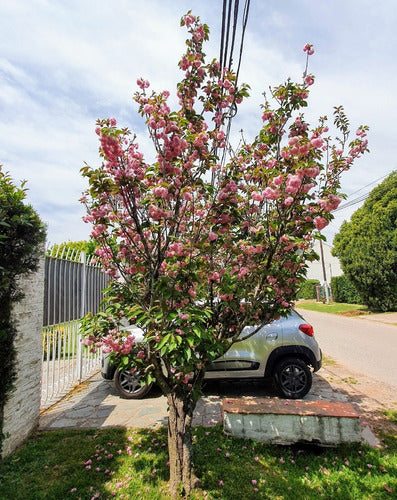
129	384
293	378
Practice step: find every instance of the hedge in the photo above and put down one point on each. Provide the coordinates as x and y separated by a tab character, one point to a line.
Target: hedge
344	291
308	290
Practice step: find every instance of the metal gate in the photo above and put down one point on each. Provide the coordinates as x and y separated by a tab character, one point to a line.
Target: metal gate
73	287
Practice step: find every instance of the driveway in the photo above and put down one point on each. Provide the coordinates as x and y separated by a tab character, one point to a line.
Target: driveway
95	403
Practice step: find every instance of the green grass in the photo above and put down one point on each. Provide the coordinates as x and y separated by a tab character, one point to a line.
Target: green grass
333	307
328	361
119	463
392	415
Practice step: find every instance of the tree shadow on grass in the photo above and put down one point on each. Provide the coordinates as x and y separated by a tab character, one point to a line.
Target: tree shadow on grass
84	463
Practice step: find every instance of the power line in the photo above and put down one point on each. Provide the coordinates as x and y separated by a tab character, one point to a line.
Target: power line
352	202
228	33
370	184
360	198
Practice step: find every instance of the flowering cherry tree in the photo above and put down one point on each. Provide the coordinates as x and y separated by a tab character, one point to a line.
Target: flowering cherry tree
199	248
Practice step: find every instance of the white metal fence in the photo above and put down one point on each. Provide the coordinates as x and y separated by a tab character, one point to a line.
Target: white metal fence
73	287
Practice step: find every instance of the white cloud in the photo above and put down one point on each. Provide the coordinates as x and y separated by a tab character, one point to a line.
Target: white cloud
64	64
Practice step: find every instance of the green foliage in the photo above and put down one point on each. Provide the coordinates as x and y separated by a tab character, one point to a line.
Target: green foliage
367	247
343	290
58	341
308	290
21	235
68	249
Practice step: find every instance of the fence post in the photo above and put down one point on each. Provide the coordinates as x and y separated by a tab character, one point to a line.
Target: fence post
82	314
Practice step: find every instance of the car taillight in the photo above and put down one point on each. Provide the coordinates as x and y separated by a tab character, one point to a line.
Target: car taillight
306	329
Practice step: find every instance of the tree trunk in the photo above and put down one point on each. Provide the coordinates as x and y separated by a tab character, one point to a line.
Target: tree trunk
182	477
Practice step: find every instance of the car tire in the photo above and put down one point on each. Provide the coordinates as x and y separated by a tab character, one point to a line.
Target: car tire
293	378
129	384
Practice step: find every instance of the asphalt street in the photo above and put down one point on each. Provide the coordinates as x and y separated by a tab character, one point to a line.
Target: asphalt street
364	345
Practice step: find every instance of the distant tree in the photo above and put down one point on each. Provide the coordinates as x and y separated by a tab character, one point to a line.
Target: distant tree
367	247
67	248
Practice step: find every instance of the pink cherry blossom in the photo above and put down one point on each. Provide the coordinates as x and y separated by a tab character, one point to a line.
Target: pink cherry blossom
278	180
270	194
293	183
309	80
320	222
256	196
212	236
317	142
309	49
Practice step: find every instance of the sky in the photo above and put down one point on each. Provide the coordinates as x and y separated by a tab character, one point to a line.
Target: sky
64	64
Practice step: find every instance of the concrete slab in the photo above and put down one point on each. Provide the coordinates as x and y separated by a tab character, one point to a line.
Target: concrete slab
326	423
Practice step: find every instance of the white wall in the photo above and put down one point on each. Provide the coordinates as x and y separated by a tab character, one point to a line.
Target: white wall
22	410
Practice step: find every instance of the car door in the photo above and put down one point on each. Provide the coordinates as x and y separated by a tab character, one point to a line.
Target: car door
247	358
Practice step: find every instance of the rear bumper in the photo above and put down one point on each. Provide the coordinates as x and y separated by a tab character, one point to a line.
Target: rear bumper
107	371
317	365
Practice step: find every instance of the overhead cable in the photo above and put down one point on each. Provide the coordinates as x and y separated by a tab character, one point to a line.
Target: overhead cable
360	198
228	40
370	184
352	202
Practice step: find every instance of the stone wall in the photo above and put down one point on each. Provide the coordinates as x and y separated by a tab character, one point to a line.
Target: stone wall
21	413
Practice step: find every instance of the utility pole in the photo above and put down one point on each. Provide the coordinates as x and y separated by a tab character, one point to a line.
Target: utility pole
324	273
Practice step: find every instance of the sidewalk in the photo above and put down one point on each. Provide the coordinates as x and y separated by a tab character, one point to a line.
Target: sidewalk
388	318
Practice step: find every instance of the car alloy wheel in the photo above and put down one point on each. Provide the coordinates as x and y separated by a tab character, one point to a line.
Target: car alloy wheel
293	378
129	384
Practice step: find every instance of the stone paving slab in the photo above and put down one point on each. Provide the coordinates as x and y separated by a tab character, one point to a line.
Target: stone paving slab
95	403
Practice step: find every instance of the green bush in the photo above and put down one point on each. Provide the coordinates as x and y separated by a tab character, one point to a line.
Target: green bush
344	291
308	290
21	236
367	247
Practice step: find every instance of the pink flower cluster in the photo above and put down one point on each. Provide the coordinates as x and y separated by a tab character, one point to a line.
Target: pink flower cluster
330	203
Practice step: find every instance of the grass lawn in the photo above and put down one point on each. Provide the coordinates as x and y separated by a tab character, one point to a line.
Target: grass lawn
130	464
333	307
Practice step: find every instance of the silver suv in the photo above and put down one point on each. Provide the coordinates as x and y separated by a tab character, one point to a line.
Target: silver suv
285	351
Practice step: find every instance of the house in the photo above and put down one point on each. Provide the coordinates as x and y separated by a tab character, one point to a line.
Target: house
331	267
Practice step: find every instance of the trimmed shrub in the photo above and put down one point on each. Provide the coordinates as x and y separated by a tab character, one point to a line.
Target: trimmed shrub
343	290
308	290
